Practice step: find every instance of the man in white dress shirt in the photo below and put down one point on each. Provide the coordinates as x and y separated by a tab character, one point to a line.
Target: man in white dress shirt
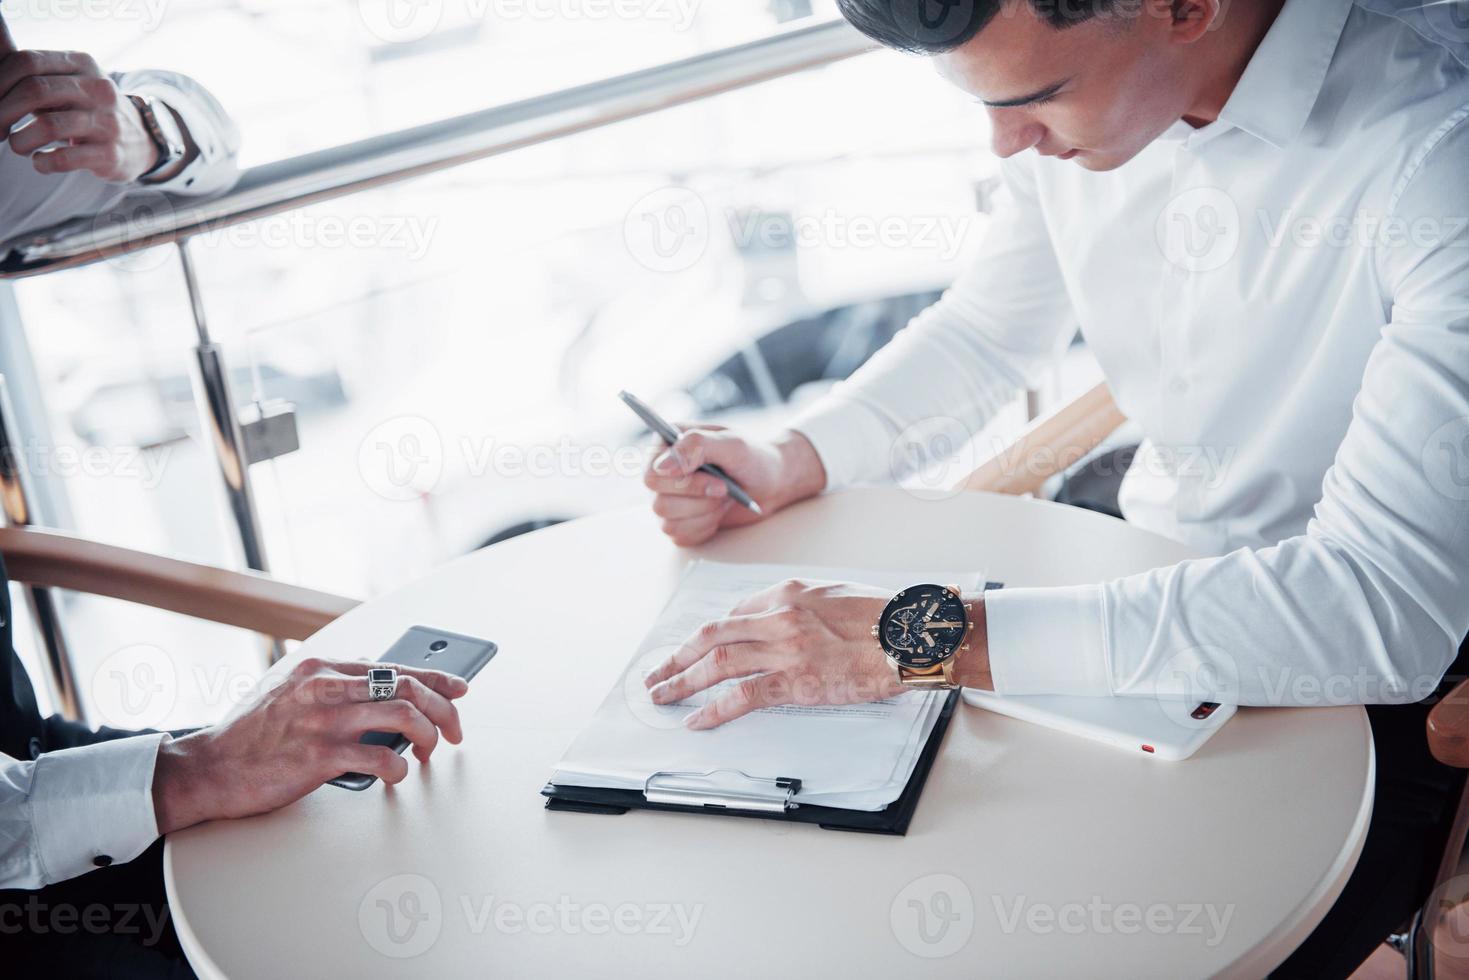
89	136
82	811
1260	224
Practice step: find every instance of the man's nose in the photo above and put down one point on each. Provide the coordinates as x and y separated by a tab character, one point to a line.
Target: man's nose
1012	131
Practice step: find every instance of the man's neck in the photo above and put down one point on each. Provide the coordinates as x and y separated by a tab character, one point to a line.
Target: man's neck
1244	24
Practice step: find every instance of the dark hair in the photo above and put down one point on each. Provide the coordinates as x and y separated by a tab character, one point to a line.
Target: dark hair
936	26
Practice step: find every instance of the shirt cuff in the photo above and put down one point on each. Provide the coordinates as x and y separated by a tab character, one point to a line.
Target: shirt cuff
1048	641
94	802
849	438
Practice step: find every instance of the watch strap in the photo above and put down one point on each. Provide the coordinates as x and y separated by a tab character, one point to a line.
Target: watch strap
164	131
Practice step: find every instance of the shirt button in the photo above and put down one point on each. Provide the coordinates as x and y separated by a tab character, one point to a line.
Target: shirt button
34	747
102	860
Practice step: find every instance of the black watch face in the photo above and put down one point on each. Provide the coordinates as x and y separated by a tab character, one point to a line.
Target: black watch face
923	626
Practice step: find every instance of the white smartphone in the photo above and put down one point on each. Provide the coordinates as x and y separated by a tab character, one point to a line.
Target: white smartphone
1170	730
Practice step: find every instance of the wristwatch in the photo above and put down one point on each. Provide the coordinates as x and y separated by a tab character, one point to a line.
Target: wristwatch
923	630
164	130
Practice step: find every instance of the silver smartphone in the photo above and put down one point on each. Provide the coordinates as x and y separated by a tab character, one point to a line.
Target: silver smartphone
432	649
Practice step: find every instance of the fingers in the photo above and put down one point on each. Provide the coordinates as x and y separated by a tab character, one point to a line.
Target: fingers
21	65
398	715
372	760
696	530
723	663
7	43
736	629
449	685
43	93
101	159
748	695
435	707
696	486
71	126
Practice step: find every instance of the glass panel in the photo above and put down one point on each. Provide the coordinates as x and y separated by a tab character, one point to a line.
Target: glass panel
348	69
454	345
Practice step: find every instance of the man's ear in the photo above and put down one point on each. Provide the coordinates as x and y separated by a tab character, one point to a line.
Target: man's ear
1190	20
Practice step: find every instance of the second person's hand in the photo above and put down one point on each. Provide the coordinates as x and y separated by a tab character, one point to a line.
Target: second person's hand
695	505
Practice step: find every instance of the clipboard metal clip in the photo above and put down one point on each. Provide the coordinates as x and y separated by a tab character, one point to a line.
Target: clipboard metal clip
728	789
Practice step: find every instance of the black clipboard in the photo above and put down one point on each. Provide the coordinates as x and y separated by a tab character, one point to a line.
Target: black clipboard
892	819
783	803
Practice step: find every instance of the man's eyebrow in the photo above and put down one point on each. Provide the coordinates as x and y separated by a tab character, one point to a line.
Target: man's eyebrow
1044	93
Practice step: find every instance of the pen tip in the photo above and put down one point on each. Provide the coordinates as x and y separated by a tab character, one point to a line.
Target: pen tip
755	509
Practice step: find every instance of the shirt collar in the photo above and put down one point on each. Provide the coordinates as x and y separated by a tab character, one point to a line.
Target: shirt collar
1274	96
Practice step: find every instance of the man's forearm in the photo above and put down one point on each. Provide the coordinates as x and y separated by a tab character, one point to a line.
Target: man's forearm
804	474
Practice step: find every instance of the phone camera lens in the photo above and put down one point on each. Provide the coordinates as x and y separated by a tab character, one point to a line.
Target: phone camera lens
438	645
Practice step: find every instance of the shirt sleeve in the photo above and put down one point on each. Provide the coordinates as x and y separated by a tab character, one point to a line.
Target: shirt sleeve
61	812
215	169
1003	322
1368	604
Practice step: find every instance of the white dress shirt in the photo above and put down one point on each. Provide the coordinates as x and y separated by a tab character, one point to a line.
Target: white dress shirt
31	200
1280	299
71	811
67	812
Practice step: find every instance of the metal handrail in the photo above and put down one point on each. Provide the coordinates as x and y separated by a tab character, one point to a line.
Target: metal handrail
144	220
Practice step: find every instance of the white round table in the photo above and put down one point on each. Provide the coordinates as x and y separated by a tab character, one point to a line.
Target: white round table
1032	853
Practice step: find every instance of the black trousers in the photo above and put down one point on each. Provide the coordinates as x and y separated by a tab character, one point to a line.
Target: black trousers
1412	806
112	922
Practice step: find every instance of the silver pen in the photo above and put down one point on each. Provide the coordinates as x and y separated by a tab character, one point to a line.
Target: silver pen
670	435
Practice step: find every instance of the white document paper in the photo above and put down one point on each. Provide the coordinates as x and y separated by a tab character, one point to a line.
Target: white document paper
857	757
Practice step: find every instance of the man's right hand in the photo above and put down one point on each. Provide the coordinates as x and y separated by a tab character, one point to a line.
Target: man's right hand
694	505
296	736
